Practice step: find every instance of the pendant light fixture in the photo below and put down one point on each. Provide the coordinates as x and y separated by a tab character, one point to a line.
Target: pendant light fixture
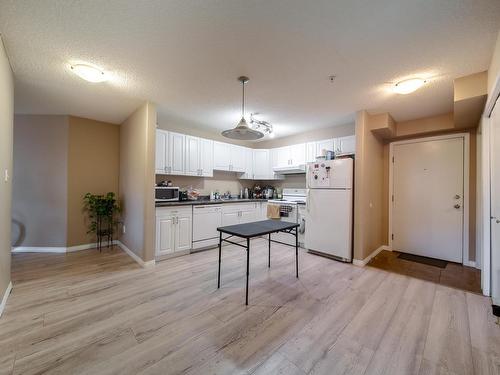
242	131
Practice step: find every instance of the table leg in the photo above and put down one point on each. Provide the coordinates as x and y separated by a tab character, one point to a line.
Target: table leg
248	268
269	261
220	253
297	252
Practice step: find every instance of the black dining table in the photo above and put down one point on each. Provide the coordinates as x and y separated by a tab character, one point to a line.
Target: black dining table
255	229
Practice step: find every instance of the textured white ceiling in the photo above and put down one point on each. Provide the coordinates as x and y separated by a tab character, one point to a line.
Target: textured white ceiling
185	55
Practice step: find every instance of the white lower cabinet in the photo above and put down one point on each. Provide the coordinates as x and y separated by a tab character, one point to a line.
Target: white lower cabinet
173	230
238	213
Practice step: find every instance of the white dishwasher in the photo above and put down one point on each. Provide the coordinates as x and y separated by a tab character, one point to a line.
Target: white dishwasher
206	220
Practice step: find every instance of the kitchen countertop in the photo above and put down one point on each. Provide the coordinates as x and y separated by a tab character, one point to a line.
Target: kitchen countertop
202	202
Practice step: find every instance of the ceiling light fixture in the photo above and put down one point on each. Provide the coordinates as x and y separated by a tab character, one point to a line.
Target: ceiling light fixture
260	125
242	131
89	73
408	86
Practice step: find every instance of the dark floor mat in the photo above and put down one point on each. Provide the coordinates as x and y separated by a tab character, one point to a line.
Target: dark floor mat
424	260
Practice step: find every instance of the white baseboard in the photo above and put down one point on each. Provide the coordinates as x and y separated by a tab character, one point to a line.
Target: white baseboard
62	250
470	263
5	296
364	262
33	249
135	257
57	250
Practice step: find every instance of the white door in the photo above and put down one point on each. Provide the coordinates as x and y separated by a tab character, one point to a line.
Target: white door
428	188
193	156
248	215
222	156
237	158
329	222
281	157
310	152
183	232
176	149
206	220
261	164
327	144
230	218
161	151
495	203
165	235
207	157
298	154
347	145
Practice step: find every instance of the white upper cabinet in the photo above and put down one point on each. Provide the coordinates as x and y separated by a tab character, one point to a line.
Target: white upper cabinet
222	158
192	156
199	157
161	151
261	170
310	152
346	145
327	144
288	156
237	158
248	175
281	157
176	152
207	157
297	154
228	157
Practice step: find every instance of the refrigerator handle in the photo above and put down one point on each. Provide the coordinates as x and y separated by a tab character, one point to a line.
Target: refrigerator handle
307	200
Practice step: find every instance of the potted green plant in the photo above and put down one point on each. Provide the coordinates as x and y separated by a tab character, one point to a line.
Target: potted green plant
103	212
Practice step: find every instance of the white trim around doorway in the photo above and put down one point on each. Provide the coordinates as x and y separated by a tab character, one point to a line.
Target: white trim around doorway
466	138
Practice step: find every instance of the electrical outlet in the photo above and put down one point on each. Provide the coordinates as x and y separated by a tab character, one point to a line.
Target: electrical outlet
6	175
123	229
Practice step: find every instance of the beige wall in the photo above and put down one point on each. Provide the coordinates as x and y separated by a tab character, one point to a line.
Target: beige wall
137	146
494	70
368	192
39	198
6	140
421	126
310	136
57	159
93	166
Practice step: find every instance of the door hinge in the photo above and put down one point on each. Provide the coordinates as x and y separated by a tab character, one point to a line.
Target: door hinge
392	236
393	159
393	197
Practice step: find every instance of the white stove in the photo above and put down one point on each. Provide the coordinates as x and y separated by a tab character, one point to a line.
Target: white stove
292	196
292	208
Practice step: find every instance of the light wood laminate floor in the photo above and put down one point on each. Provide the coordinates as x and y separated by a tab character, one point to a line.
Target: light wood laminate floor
91	313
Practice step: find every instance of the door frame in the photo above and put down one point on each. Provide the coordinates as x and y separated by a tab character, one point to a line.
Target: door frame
466	218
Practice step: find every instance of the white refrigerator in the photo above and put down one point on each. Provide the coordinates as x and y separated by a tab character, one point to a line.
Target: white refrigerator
329	208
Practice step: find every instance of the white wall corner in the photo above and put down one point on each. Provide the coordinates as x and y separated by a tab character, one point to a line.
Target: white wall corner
364	262
5	296
135	257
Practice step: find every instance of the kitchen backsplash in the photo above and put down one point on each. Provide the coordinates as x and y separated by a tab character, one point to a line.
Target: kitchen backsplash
221	181
224	181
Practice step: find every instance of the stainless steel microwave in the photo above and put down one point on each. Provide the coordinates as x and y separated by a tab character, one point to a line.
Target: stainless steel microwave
166	193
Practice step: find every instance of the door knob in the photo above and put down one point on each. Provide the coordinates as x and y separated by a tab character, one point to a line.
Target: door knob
457	206
457	196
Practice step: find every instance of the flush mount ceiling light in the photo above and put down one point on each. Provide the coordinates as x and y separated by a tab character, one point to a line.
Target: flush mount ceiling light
89	73
242	131
408	86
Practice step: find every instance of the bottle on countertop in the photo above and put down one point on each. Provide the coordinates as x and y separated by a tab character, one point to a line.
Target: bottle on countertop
246	195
